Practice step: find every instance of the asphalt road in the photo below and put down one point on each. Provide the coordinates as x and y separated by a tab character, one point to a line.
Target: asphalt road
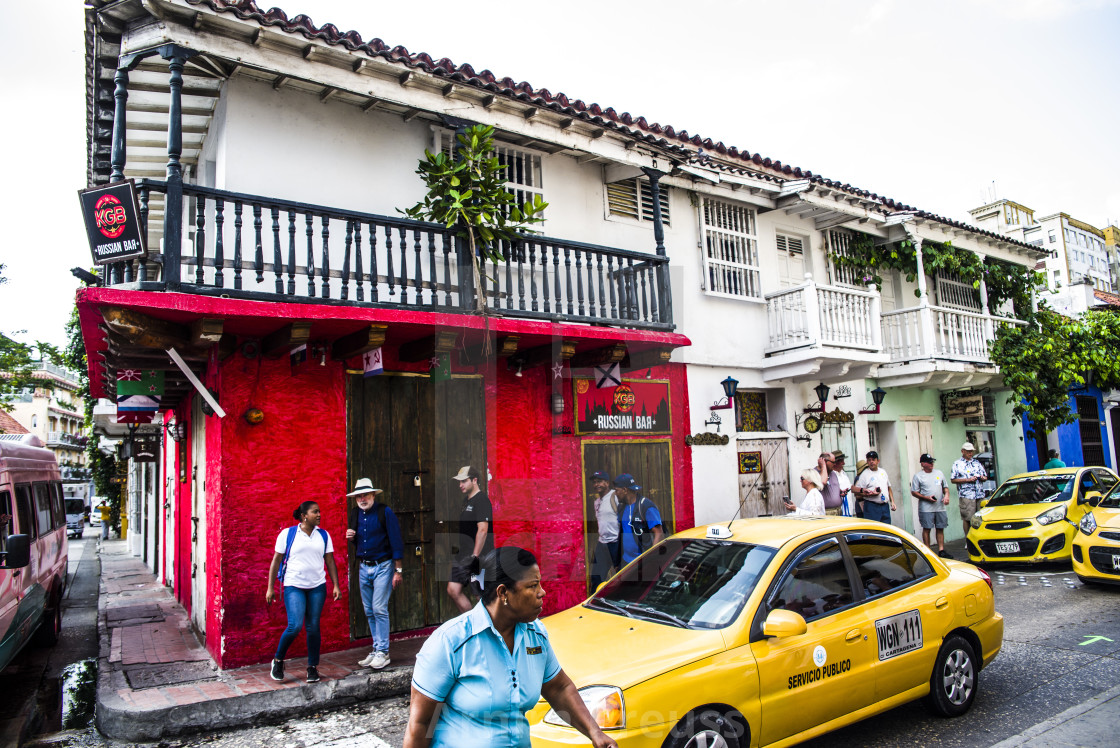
1049	663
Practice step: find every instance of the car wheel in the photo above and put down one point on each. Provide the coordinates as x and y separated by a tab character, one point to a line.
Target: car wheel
955	679
51	626
706	729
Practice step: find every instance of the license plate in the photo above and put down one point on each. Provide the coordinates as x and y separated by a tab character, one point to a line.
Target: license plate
1007	547
1116	561
899	634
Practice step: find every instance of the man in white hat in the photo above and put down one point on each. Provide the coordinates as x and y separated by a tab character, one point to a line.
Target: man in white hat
379	550
475	536
969	475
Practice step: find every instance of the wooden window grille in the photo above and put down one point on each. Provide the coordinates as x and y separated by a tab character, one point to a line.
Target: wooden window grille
954	293
840	243
730	249
523	168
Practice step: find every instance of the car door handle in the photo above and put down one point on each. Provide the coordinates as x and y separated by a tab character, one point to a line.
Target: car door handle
852	635
942	601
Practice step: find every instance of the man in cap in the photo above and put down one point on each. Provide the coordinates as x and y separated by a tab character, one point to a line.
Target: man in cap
830	480
606	522
969	476
928	486
378	548
476	535
639	521
847	498
873	487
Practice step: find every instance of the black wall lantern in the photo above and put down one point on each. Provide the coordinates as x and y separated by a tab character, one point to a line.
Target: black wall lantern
730	387
877	396
822	397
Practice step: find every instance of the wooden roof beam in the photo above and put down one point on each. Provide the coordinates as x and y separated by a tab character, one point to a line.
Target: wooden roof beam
359	342
443	341
281	341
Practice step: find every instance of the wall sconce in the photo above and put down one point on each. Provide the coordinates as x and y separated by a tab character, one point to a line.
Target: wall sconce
730	386
713	420
177	431
557	403
822	396
253	416
877	396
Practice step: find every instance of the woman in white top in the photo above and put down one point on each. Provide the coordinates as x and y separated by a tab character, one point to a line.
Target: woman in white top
813	504
300	552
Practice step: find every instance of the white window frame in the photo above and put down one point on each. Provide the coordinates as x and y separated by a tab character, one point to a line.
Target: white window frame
632	200
531	180
729	250
952	293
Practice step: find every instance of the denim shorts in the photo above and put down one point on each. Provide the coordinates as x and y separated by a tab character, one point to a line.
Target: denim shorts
931	520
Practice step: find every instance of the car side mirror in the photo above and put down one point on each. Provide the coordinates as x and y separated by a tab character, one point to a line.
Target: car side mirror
784	623
18	554
1090	497
981	503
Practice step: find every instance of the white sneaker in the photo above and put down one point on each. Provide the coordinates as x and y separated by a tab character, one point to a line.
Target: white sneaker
379	660
368	659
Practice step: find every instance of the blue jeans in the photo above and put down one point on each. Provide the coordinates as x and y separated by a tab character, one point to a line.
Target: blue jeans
303	606
376	583
877	512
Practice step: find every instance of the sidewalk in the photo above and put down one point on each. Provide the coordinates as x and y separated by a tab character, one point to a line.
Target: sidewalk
155	680
1090	724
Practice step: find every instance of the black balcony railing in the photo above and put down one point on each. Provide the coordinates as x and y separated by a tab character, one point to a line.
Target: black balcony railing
255	247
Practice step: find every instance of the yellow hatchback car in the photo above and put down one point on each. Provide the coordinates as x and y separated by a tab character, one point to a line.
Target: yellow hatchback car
771	631
1096	547
1033	517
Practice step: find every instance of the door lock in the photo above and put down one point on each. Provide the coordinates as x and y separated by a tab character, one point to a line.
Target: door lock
418	552
416	480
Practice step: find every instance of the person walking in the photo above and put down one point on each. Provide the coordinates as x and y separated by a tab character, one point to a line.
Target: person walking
297	563
104	511
813	503
639	521
605	509
969	476
874	489
379	550
479	673
475	537
928	486
1055	460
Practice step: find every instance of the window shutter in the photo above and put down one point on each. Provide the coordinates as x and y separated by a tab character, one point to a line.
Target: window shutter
622	198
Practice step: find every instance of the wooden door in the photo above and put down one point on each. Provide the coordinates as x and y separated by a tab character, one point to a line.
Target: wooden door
410	435
651	464
765	483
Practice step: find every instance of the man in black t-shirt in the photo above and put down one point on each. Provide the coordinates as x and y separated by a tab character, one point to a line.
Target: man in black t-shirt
475	536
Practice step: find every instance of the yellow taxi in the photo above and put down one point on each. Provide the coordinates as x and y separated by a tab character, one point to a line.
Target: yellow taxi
1033	517
771	631
1096	547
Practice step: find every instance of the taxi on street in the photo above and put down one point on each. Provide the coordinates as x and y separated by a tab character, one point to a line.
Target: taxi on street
1096	547
1033	517
772	631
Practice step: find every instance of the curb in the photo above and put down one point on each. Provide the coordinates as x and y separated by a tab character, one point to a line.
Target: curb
1059	719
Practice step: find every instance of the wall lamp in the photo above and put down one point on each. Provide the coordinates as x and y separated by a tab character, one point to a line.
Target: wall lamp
822	396
877	396
730	386
557	403
177	431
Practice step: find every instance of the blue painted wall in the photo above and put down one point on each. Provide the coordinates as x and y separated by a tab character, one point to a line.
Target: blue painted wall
1069	435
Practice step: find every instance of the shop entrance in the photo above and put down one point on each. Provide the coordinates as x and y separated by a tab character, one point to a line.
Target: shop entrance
651	464
410	435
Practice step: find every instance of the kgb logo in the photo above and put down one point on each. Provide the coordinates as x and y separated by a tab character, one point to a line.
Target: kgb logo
110	216
623	398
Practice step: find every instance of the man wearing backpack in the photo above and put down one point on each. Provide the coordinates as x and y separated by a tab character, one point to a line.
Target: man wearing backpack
639	521
376	534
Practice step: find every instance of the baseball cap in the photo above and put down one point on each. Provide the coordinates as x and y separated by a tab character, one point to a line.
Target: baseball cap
625	480
600	475
872	455
968	447
926	458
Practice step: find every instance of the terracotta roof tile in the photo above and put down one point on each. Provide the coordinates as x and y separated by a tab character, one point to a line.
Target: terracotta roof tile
9	425
1106	297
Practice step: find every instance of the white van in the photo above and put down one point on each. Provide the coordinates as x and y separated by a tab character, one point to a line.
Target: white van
33	545
76	512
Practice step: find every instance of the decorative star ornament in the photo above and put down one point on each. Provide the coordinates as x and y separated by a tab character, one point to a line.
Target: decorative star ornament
557	370
434	363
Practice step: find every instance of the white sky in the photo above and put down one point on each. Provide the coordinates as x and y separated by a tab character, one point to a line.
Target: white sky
929	103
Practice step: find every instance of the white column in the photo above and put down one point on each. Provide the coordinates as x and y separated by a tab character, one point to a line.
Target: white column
989	323
925	314
877	322
812	311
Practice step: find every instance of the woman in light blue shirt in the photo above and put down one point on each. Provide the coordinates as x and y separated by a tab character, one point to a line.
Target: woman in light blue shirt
478	674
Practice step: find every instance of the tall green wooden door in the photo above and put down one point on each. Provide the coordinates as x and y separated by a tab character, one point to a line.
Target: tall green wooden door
410	435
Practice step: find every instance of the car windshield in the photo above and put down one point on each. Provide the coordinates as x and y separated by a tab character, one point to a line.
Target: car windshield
686	582
1111	499
1038	489
75	506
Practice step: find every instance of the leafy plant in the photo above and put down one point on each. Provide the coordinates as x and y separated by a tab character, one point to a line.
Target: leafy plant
18	361
467	193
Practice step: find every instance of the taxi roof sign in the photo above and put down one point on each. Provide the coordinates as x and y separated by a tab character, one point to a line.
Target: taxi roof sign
718	532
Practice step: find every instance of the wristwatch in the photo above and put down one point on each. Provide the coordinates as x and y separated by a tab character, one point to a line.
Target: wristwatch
398	570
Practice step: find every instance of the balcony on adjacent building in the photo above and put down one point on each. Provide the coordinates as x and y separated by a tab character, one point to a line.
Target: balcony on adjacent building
818	331
64	440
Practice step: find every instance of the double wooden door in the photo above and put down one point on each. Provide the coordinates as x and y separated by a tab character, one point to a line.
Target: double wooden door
410	435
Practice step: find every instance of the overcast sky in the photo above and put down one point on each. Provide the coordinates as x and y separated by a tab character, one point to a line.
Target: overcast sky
937	104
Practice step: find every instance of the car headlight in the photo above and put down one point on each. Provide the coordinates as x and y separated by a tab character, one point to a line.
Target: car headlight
1057	514
976	521
605	703
1088	524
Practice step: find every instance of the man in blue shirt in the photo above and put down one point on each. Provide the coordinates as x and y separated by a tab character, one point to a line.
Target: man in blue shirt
639	521
378	548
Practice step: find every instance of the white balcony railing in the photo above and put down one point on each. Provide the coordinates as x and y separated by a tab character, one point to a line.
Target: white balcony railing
957	335
809	315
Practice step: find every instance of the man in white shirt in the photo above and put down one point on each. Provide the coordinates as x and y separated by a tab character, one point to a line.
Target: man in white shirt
871	487
606	520
846	496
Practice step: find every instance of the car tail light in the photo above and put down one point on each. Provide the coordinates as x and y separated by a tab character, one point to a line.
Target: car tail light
985	577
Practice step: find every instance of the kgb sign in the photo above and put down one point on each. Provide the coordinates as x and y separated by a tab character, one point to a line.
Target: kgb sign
638	406
112	217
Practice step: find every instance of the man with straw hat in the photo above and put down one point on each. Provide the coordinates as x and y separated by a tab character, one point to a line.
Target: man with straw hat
379	550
